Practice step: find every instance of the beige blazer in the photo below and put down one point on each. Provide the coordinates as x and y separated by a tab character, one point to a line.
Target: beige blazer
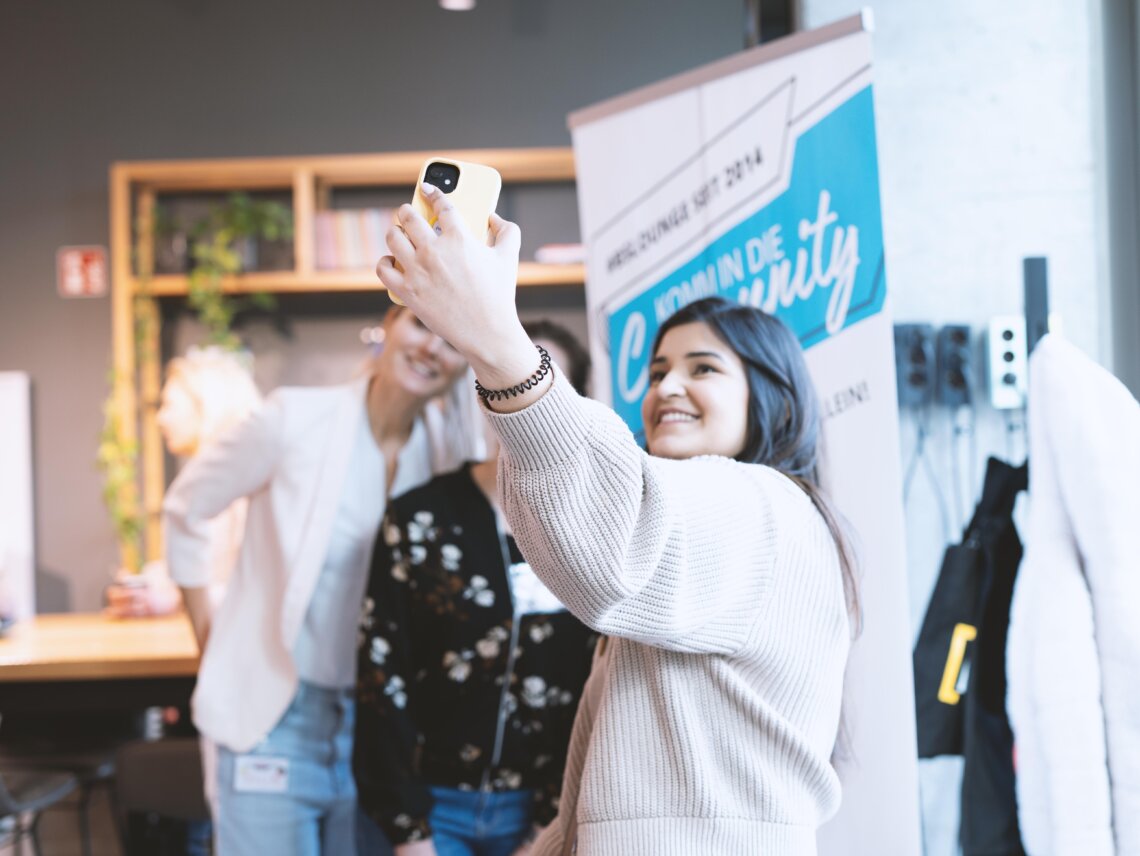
289	459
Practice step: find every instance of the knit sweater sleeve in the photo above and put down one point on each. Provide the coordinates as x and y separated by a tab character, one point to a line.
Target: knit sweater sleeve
676	554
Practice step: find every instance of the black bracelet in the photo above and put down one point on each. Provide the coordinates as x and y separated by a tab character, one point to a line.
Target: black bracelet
519	388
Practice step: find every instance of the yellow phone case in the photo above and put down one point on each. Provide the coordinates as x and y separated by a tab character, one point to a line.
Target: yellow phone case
475	196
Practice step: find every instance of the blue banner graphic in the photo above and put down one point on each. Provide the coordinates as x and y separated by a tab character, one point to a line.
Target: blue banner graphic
813	256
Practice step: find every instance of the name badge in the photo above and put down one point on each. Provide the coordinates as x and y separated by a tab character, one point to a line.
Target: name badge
258	774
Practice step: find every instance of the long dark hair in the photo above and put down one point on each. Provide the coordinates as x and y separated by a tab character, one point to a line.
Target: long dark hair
783	430
578	372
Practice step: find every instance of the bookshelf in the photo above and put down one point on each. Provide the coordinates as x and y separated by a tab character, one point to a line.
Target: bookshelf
310	180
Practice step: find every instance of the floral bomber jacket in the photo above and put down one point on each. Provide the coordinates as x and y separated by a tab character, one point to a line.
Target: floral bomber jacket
470	671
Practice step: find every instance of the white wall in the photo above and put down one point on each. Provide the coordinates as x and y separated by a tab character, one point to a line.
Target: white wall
988	153
17	533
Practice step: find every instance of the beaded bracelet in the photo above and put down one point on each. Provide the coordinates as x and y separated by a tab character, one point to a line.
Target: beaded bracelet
489	395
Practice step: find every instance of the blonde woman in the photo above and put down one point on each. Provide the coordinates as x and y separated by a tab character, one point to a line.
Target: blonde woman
206	393
275	686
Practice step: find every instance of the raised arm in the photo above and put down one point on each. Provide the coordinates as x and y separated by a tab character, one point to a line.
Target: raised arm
235	465
677	554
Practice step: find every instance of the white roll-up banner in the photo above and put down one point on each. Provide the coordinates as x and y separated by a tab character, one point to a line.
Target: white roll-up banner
756	178
17	514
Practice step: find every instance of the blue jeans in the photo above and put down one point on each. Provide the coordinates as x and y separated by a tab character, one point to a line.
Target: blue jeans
293	794
480	823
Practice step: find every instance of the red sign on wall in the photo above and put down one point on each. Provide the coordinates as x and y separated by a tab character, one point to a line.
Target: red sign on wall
81	271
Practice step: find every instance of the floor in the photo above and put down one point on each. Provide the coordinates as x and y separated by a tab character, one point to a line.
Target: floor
59	830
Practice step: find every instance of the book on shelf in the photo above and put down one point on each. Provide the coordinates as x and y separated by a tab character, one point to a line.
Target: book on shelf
351	238
373	226
560	254
325	228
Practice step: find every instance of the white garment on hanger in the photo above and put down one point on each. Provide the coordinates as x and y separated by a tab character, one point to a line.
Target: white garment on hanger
1073	658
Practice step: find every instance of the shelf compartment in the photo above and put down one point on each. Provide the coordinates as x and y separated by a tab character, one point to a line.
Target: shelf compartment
286	281
537	165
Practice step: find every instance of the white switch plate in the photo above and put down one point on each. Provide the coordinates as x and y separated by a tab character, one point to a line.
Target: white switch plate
1008	362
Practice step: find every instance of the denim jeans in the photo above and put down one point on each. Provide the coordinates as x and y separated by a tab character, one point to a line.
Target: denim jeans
480	823
293	794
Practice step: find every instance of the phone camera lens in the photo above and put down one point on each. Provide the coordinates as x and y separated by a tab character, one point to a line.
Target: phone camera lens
443	175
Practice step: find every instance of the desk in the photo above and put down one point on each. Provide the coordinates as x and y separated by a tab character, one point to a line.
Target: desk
92	662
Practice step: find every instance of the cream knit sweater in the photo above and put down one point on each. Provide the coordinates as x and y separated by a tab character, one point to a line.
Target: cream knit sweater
710	716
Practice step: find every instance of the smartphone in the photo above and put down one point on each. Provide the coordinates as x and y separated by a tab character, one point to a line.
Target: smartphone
473	190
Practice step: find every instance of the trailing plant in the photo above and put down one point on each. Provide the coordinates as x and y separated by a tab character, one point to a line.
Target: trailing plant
215	251
118	461
215	254
118	453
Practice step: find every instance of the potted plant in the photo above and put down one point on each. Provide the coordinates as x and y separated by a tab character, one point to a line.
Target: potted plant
222	244
226	243
117	458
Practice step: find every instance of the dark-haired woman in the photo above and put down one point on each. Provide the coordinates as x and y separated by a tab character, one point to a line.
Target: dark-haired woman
712	563
470	670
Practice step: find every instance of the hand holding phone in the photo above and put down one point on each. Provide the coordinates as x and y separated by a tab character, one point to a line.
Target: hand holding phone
472	189
462	288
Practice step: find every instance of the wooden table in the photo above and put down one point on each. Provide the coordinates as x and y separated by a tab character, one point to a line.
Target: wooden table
85	661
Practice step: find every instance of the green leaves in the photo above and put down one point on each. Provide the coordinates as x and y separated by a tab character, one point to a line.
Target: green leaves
215	254
213	249
117	459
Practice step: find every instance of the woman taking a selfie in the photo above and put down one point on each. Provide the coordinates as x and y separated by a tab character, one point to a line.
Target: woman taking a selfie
712	564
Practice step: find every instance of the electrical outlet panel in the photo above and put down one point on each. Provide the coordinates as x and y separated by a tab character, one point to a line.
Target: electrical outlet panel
915	364
954	384
1008	362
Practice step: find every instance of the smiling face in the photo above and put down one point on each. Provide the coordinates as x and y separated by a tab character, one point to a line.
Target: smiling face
416	359
697	403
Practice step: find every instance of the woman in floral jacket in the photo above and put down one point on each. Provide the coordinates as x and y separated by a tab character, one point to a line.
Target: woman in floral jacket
470	670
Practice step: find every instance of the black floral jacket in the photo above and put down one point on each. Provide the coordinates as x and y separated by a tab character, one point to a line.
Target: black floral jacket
469	670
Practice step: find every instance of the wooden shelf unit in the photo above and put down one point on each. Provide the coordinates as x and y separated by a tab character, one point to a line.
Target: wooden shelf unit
135	187
294	282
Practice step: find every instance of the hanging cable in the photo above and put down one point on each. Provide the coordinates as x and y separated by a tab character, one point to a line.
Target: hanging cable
922	816
920	458
912	464
962	420
1014	427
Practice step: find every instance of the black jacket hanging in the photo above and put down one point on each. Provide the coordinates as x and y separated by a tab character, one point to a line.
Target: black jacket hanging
959	666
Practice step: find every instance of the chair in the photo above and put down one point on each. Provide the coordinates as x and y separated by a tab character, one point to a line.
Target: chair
162	778
25	794
81	745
